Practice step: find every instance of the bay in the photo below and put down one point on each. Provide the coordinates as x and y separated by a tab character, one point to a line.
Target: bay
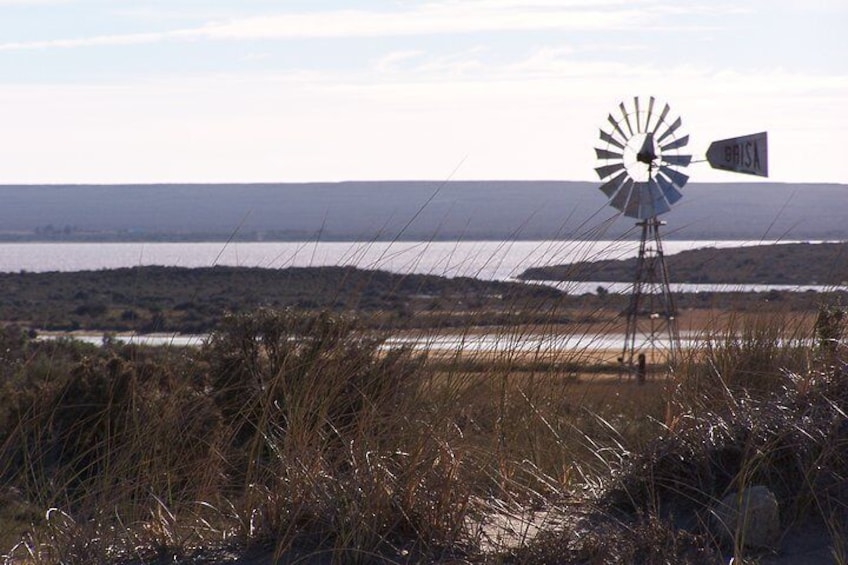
488	260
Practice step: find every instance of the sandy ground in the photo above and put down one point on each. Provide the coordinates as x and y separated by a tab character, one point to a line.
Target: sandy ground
801	544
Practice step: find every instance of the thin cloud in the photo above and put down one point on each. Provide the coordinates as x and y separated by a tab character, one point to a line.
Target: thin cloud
452	18
98	41
398	60
435	18
33	2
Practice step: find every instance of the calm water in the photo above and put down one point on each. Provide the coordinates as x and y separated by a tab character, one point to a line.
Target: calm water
491	260
470	343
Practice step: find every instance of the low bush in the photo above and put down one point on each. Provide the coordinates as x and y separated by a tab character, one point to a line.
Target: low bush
288	428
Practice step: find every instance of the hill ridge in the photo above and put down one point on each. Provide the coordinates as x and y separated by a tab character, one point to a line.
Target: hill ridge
410	210
787	263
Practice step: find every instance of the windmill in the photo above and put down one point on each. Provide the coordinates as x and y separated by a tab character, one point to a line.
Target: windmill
640	171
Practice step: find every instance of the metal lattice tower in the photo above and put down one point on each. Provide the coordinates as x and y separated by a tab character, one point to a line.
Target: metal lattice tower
652	336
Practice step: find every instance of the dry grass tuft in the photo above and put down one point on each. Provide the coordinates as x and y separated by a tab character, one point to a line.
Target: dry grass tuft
777	416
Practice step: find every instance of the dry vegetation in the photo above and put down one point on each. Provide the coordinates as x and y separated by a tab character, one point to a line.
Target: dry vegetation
788	263
300	434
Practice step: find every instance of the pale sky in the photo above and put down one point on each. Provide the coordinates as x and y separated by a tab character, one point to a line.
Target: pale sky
101	91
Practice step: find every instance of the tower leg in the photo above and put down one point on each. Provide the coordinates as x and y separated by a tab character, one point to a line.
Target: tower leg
651	333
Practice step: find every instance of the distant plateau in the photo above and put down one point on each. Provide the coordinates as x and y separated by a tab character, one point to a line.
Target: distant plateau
409	210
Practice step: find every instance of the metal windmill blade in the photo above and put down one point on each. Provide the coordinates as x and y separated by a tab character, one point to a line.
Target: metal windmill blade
659	203
676	144
669	190
675	177
619	201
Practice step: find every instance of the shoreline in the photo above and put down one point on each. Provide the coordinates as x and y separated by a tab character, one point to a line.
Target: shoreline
538	342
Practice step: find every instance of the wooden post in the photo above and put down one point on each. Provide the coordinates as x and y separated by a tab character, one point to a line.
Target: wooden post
641	372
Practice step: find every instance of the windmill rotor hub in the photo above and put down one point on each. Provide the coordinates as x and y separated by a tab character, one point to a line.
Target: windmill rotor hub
647	154
638	152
